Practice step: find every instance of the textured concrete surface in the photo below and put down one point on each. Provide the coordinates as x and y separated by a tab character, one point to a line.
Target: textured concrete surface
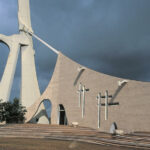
13	42
132	113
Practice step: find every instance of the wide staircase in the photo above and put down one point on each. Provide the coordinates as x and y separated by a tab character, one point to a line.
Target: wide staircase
80	134
45	131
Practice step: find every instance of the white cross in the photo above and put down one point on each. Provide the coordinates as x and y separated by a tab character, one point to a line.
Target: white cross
106	105
80	91
83	100
99	108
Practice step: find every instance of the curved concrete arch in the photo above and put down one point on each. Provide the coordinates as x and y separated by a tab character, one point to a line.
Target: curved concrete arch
33	109
6	40
13	42
5	48
1	41
8	75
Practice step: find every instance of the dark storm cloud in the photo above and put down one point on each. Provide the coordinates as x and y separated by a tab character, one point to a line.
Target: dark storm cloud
113	34
110	36
8	17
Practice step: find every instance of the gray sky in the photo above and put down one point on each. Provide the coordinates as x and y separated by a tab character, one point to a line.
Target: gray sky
110	36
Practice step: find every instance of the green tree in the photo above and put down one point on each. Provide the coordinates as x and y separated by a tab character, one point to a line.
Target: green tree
12	112
2	111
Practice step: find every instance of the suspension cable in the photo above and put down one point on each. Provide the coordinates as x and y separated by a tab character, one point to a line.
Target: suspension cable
46	44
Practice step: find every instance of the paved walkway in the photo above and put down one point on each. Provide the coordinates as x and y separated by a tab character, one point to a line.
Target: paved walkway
79	134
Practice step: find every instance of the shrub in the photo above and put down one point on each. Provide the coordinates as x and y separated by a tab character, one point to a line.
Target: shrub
12	112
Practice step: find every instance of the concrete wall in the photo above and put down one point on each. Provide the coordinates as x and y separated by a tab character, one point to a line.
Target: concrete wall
132	113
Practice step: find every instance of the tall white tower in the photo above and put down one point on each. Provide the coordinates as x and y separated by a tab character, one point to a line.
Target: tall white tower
29	85
23	41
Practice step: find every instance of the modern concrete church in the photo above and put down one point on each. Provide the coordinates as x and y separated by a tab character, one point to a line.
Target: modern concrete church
77	94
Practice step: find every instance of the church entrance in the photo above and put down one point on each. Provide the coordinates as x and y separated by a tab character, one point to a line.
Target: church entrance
62	118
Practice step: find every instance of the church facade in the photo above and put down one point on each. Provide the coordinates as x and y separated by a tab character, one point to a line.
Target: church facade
94	99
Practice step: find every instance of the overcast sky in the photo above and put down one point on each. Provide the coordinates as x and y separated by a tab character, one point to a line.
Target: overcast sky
110	36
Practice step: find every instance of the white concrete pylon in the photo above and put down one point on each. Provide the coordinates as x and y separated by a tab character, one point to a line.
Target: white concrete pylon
30	91
29	84
24	19
8	74
13	42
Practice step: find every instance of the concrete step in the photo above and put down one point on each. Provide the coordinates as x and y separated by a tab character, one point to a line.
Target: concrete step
81	134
